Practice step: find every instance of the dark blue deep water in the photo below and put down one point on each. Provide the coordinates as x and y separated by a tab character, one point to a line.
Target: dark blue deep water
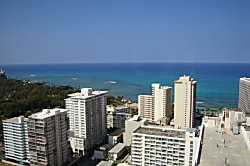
218	84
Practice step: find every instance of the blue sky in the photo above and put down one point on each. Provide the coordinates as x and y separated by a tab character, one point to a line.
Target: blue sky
124	31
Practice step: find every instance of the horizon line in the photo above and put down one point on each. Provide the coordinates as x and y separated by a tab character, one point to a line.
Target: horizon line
138	62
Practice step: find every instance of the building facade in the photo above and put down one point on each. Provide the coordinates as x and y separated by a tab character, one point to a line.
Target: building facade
153	145
48	142
87	117
116	118
184	102
145	107
244	95
155	106
16	143
130	126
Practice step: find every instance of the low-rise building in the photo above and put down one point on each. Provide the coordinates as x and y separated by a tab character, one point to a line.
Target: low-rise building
117	152
102	152
116	137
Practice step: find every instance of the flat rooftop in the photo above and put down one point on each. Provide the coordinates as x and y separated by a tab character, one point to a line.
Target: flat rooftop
104	163
121	107
85	95
117	132
117	148
235	151
17	120
47	113
177	133
245	79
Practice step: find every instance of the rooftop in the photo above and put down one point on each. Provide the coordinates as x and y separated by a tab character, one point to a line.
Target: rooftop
161	131
137	118
19	119
121	107
184	79
105	147
215	151
47	113
245	79
117	132
86	93
117	148
104	163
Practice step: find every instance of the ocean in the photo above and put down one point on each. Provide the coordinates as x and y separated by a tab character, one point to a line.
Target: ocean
218	83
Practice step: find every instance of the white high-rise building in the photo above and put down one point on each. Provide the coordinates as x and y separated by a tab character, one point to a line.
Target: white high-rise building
87	117
48	142
155	106
184	102
244	95
16	143
157	145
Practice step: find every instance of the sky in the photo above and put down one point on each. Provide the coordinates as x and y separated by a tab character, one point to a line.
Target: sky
90	31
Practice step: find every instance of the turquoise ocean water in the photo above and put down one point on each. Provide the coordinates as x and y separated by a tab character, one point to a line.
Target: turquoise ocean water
218	84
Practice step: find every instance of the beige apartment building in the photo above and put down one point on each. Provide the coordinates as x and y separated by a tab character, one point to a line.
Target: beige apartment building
87	119
184	102
244	95
48	142
155	106
157	145
145	107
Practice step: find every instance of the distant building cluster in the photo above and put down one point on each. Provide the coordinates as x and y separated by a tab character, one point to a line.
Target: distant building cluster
158	135
155	106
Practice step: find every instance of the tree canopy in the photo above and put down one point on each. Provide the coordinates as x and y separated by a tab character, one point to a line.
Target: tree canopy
18	97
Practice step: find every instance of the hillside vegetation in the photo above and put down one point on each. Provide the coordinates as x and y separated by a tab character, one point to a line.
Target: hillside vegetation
19	97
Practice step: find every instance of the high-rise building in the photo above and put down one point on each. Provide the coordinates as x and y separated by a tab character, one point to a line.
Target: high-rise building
48	142
157	145
162	100
184	102
87	117
244	95
16	144
155	106
145	107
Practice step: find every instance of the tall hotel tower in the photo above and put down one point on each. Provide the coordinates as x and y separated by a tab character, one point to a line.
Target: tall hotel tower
155	106
87	117
244	95
48	142
184	102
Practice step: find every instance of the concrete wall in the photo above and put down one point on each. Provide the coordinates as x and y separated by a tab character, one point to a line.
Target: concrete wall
246	136
198	151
